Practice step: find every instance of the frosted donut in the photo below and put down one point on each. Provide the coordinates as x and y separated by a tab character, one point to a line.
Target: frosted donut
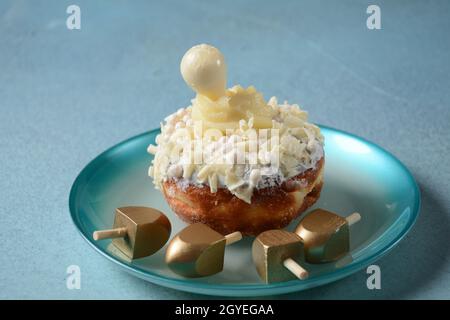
259	165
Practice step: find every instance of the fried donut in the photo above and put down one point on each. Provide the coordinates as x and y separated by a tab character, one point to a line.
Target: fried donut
213	160
271	207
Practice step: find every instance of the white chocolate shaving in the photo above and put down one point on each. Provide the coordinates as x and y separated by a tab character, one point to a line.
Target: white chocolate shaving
298	147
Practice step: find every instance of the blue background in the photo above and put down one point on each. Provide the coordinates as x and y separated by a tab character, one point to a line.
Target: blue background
65	96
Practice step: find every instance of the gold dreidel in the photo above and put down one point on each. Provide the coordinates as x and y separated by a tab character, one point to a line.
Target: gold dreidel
138	231
325	235
273	252
198	250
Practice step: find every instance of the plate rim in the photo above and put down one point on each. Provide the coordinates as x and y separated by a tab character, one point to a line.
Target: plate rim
259	289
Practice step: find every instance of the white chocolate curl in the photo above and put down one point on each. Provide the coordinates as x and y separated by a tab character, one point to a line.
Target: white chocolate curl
204	70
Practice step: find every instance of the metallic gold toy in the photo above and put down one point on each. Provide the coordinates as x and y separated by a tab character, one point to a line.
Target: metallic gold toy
274	252
198	250
138	231
325	235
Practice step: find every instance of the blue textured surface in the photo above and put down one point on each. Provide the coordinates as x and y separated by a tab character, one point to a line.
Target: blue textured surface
65	96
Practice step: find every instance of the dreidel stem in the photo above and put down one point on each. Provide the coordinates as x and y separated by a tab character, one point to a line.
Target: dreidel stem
233	237
110	233
296	269
353	218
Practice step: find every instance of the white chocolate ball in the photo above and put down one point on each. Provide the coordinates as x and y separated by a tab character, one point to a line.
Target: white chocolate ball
204	70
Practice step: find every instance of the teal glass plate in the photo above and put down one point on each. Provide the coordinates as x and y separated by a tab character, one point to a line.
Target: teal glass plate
359	176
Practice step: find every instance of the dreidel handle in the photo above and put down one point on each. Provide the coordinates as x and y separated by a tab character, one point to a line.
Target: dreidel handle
296	269
110	233
233	237
353	218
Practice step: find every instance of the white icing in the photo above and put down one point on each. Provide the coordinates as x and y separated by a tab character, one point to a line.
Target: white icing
300	148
